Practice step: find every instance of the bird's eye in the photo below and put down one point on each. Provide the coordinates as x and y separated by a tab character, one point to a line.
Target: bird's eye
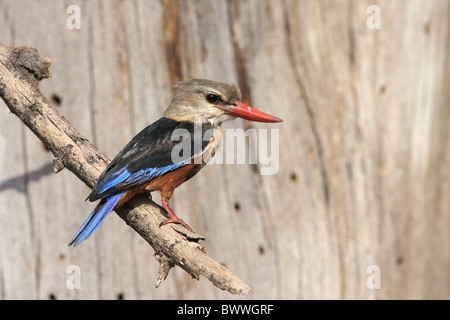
212	98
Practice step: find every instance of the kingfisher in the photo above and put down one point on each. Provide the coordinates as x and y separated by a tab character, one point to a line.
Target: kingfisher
153	159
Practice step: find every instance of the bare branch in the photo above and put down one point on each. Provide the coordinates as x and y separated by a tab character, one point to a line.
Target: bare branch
21	69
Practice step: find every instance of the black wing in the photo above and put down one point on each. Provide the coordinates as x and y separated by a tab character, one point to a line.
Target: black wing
156	150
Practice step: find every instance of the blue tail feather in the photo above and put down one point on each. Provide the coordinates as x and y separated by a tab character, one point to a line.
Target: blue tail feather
96	218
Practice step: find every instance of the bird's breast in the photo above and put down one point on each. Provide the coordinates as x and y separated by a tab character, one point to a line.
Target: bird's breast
213	145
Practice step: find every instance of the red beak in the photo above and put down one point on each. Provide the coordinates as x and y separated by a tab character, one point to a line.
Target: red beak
245	112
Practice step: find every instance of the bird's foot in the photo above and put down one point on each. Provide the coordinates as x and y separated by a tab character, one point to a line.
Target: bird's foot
172	217
175	219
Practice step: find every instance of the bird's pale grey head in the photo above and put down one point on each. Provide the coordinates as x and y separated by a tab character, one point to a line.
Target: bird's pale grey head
201	100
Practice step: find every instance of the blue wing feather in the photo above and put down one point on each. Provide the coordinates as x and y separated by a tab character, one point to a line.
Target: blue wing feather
112	180
141	176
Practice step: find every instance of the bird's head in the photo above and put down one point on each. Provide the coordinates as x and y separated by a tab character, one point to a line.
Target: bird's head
210	101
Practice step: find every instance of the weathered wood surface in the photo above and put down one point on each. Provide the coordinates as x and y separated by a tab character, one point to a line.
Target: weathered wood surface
21	68
364	150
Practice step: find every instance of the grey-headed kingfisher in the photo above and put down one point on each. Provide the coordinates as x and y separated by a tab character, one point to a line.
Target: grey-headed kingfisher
146	163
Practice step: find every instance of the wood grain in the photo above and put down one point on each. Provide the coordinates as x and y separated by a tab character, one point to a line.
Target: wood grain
364	147
21	68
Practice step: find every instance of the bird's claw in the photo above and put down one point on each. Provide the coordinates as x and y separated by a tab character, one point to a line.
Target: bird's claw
175	220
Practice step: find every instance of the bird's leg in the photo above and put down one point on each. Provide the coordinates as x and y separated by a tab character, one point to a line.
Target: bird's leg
173	218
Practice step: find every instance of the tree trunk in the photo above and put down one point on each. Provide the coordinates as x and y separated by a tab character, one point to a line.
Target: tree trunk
359	207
